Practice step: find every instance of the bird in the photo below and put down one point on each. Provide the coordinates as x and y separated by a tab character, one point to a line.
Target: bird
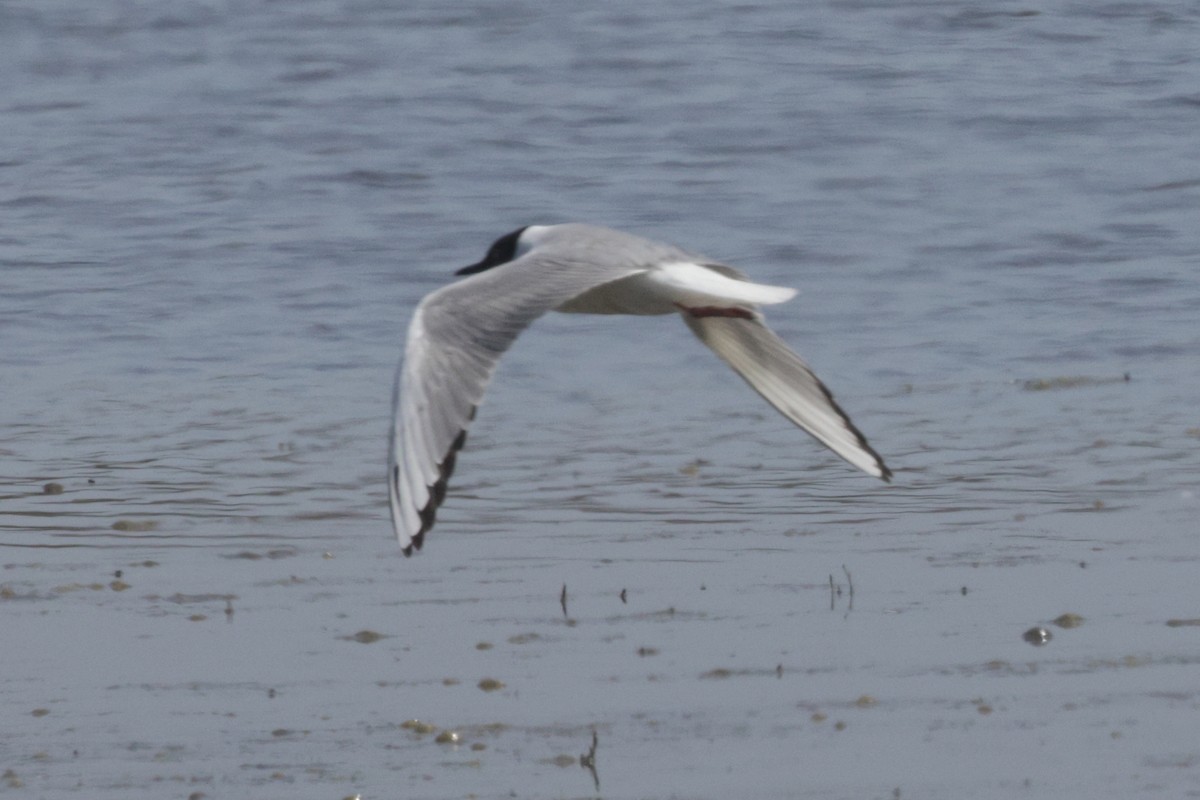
458	333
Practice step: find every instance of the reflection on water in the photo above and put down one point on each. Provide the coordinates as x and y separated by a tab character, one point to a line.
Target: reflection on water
216	224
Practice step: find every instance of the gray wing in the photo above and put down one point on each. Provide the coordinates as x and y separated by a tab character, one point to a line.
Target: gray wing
783	379
455	339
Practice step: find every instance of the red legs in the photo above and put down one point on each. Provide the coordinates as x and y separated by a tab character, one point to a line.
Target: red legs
717	311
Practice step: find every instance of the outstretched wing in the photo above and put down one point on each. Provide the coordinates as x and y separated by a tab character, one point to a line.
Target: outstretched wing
455	339
783	379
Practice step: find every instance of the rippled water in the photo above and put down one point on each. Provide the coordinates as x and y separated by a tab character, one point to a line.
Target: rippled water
215	218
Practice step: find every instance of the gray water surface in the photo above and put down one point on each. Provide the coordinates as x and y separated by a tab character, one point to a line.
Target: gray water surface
215	219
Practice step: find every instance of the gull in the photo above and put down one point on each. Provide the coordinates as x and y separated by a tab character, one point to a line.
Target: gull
458	333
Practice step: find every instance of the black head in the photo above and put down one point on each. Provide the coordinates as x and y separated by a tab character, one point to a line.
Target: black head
501	252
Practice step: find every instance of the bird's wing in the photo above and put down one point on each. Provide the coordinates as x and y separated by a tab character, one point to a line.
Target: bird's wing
783	379
455	339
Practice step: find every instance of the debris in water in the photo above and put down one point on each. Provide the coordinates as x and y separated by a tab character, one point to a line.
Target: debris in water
1070	382
1037	636
588	760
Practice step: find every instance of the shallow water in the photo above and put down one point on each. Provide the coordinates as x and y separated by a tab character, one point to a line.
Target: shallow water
216	219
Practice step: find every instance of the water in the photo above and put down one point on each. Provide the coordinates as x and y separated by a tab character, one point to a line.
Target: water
216	218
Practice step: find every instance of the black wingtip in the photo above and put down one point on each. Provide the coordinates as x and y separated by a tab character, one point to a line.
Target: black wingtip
885	474
414	545
437	492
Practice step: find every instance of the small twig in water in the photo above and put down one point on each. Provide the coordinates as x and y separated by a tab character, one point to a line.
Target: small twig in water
850	582
588	760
